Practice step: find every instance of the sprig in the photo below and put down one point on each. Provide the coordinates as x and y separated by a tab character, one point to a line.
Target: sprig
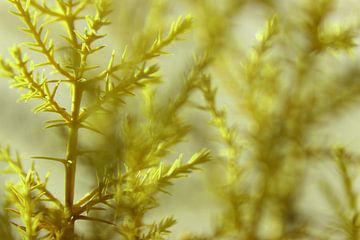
161	176
26	78
159	230
136	195
178	28
31	201
15	167
41	42
116	93
346	212
229	135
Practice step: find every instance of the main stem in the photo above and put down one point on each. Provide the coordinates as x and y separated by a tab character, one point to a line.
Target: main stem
72	144
71	157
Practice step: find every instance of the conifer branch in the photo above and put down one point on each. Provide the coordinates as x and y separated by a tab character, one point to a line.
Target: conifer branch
158	230
160	177
177	29
116	92
228	135
44	9
24	78
41	44
16	167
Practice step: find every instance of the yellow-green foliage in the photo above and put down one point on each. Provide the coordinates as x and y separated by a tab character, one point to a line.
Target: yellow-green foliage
300	72
127	187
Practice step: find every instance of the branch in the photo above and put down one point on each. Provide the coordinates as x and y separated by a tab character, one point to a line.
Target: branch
40	44
25	79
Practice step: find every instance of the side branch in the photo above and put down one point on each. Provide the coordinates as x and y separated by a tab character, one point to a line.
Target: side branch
40	44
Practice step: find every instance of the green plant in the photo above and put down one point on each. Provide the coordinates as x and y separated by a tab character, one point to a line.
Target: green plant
294	80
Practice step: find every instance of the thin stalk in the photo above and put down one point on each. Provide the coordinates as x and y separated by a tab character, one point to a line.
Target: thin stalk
71	157
73	137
